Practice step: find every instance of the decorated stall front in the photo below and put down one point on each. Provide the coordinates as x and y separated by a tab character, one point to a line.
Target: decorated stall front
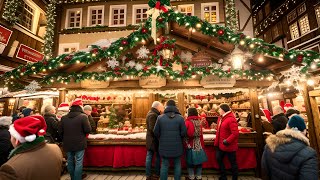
171	56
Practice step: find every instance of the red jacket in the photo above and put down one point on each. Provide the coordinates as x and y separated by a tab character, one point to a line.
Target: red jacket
190	131
227	129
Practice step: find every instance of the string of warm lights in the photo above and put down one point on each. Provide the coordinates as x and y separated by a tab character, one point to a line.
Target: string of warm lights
49	36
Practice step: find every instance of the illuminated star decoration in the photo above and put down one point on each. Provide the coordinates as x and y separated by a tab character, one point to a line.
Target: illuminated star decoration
292	76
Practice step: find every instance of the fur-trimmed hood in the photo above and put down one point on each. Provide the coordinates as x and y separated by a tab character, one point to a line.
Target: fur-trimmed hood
286	144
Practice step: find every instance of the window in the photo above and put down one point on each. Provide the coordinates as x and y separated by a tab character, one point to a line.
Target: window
96	15
139	13
292	16
304	25
294	31
187	9
318	14
118	15
26	14
210	12
74	18
67	48
301	9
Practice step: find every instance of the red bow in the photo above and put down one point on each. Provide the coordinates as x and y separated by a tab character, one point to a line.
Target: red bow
158	6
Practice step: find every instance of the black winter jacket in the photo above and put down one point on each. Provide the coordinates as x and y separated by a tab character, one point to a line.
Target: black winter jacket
170	129
52	127
152	141
279	122
74	127
287	156
5	145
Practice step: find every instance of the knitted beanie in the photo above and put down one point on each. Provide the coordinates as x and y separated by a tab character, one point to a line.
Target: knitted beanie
297	121
225	107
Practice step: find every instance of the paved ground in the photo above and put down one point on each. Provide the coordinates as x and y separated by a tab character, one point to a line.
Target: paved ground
118	176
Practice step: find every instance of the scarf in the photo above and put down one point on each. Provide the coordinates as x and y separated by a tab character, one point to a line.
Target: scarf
26	146
197	133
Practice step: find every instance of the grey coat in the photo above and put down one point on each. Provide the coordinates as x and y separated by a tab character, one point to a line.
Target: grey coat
152	141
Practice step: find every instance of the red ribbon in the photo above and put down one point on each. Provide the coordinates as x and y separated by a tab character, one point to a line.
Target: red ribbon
158	6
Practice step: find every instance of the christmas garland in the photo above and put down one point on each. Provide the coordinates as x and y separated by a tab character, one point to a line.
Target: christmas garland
231	15
10	10
48	38
117	48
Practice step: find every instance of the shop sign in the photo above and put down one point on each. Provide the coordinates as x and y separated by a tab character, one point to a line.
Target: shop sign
5	35
201	59
92	84
217	82
28	54
152	81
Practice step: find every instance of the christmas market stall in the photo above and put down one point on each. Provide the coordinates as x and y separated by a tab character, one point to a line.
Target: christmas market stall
172	56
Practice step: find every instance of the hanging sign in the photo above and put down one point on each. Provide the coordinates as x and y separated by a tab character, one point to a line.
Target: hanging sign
201	59
152	81
92	84
5	35
28	54
217	82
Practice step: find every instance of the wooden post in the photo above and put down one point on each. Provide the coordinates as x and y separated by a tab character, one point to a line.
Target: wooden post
314	121
257	126
180	104
62	96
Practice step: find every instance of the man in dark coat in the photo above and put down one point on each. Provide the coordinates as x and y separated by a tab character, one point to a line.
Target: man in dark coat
226	141
170	129
152	141
279	120
5	143
88	110
74	127
52	124
288	155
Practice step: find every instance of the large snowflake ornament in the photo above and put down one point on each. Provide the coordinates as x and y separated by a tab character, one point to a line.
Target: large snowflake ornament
138	66
273	86
186	56
113	63
292	76
32	87
131	64
143	53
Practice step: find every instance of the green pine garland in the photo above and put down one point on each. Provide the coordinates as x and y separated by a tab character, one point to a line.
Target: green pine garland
10	10
113	121
231	15
48	38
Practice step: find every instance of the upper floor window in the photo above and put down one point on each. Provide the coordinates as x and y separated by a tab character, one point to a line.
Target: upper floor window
210	12
74	18
139	13
96	15
292	16
301	9
26	15
187	9
317	9
304	25
118	15
67	48
294	31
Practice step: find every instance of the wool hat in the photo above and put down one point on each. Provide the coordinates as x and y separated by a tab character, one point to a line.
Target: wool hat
77	102
63	107
26	112
224	107
192	112
5	121
297	121
28	128
171	103
291	111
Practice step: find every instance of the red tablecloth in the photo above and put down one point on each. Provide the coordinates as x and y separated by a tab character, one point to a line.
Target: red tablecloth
127	156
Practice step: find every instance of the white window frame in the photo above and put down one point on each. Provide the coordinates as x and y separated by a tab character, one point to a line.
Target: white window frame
90	8
36	16
62	46
296	23
124	6
68	18
134	8
300	25
211	4
185	6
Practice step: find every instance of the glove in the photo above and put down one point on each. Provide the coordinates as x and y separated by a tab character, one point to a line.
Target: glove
225	142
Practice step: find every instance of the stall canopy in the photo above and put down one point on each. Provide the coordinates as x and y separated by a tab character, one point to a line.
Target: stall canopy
170	45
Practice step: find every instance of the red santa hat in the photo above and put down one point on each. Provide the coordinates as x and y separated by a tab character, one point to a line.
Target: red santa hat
287	106
267	114
63	107
28	128
77	102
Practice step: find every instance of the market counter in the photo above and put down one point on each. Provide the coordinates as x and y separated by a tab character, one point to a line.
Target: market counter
132	153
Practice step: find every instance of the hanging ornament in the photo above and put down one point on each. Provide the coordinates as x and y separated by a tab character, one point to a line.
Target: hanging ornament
32	87
300	58
220	32
113	63
144	30
124	42
131	64
146	68
181	73
160	20
143	52
23	69
138	67
68	58
45	63
94	50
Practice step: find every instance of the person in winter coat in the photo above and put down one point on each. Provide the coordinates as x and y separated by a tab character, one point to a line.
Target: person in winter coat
74	127
27	112
152	142
170	129
291	112
52	122
194	140
288	155
279	120
31	158
226	141
63	109
88	109
5	142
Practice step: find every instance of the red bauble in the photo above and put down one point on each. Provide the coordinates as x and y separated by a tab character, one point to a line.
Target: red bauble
167	65
45	63
145	68
208	70
94	50
23	69
144	30
220	32
242	36
185	67
124	42
160	20
193	73
68	58
300	58
182	73
116	69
